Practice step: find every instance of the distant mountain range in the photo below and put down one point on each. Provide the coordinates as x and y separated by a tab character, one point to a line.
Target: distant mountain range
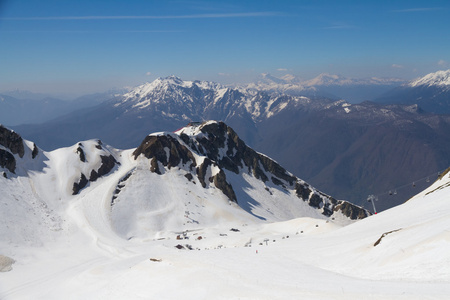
431	92
348	150
326	85
23	107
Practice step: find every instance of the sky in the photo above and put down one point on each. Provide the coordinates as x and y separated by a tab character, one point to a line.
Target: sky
86	46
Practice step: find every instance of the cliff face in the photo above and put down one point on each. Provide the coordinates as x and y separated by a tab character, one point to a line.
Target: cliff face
12	144
95	163
12	147
210	154
219	149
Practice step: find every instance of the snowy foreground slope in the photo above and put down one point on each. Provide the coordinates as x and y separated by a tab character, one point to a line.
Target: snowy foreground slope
93	222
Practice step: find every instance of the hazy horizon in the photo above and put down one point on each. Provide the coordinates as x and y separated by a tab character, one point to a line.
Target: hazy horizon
84	47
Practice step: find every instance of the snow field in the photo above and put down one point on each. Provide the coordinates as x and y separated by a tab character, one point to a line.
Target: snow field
81	247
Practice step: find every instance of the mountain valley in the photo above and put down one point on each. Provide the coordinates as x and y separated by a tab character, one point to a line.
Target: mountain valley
369	140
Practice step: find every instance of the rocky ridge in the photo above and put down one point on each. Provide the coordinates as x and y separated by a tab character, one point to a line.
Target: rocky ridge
12	148
210	150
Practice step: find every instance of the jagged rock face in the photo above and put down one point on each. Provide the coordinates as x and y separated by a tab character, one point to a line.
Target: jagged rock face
77	186
221	138
221	144
11	141
350	210
224	150
7	160
107	163
35	151
170	152
13	144
154	147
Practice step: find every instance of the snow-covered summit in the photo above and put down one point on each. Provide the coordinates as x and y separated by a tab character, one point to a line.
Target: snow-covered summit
438	79
167	84
128	234
17	156
215	145
287	84
326	79
324	85
185	100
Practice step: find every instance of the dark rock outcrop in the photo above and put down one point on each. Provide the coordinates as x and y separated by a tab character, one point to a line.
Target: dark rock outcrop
120	186
170	152
35	151
302	191
351	211
224	150
223	139
81	152
220	181
165	149
108	163
11	141
221	144
7	160
78	186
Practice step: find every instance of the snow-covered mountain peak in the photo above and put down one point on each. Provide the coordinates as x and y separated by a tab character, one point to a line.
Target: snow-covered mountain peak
213	154
291	78
268	78
147	88
129	232
439	78
171	87
327	79
17	156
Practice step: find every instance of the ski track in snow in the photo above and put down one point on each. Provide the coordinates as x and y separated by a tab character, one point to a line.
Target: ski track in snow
81	247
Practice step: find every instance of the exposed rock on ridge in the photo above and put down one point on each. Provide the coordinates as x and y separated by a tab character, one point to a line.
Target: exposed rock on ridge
12	141
169	151
224	150
12	144
107	163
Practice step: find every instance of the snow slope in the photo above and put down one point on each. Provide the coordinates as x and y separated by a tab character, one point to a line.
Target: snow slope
116	238
439	79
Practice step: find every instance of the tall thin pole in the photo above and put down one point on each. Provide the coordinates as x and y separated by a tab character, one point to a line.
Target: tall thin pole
372	199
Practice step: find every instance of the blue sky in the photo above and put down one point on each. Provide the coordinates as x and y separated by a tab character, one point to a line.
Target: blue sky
86	46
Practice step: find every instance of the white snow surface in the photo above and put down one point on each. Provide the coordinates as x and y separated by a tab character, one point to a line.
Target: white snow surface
292	84
439	78
68	246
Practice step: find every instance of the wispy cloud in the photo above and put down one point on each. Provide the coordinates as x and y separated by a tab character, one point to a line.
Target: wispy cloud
194	16
442	63
396	66
417	9
339	25
207	5
282	69
93	31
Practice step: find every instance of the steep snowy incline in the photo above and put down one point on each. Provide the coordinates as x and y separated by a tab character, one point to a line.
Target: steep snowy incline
128	233
264	176
407	242
438	79
201	176
205	175
201	100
